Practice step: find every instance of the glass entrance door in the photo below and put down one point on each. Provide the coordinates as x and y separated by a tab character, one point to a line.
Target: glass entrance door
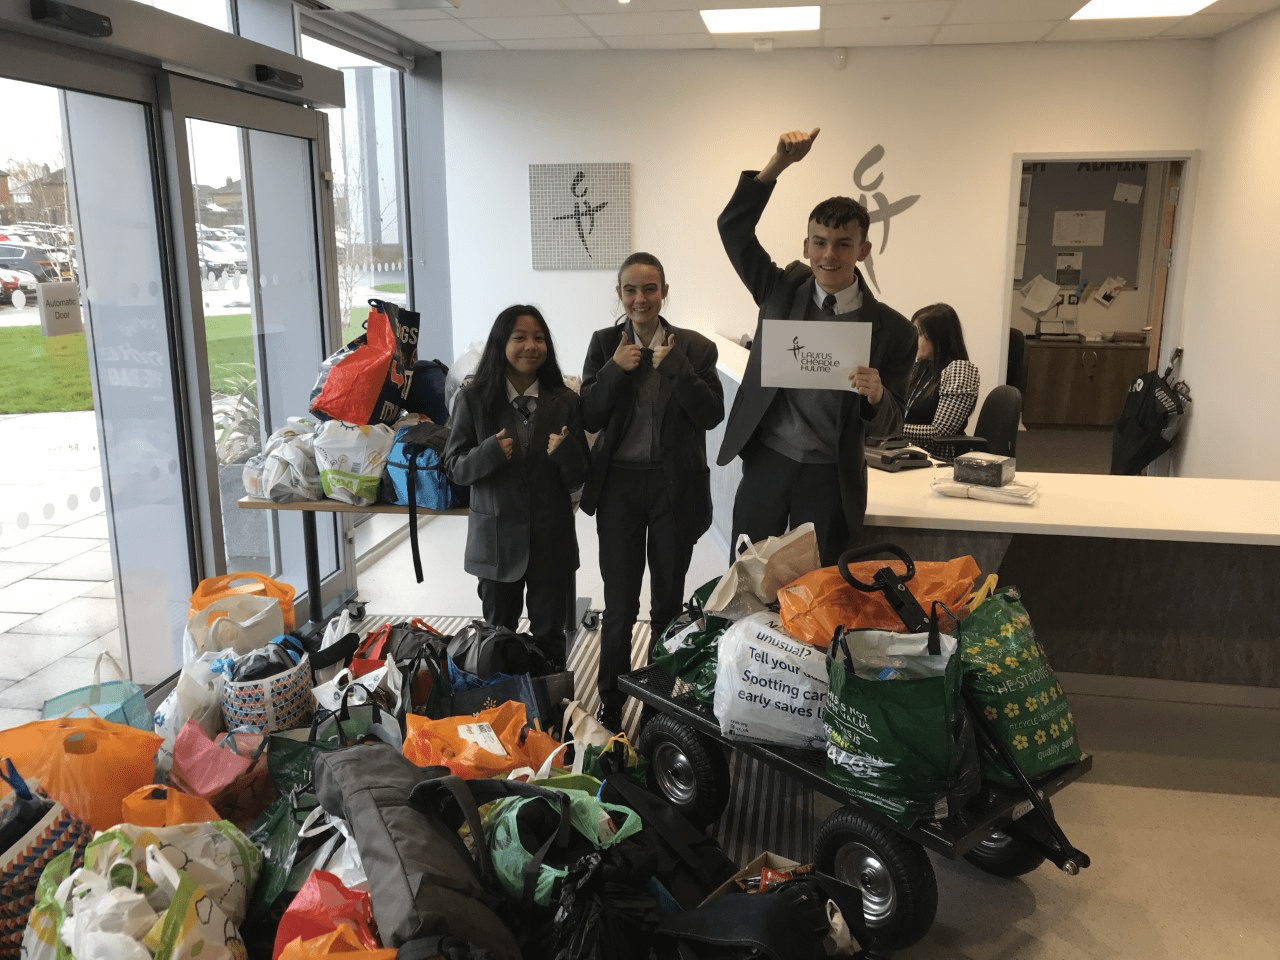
250	191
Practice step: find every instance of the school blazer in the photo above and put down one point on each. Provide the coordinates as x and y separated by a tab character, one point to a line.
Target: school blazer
692	401
784	293
521	517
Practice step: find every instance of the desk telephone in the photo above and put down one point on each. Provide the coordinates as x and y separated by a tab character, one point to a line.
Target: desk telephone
894	454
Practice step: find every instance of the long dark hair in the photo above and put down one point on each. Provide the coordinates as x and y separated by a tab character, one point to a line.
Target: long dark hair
490	380
940	324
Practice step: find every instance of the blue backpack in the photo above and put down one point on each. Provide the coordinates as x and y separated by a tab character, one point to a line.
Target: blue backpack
415	477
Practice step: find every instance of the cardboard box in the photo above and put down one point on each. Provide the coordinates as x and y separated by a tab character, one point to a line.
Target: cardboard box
752	869
985	469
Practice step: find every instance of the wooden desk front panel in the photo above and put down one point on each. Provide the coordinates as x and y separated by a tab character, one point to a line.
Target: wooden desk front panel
1079	384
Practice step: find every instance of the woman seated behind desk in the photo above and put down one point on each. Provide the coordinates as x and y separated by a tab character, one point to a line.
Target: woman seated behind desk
943	388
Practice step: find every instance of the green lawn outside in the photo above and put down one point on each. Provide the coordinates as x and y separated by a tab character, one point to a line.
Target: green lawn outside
40	374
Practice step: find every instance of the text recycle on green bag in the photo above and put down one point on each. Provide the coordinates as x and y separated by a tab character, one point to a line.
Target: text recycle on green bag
1006	669
904	746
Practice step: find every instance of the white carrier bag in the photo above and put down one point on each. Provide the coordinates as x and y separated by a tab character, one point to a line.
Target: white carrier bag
770	687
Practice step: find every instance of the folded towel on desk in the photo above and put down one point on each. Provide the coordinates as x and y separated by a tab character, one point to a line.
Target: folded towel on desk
1015	492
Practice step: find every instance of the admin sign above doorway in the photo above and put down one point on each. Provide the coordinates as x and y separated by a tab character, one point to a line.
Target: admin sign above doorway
580	215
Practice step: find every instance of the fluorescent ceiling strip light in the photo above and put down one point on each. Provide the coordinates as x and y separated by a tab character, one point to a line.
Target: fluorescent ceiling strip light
762	19
1134	9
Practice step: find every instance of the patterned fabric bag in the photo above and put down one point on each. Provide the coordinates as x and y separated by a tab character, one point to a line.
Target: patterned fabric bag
278	702
1006	669
33	830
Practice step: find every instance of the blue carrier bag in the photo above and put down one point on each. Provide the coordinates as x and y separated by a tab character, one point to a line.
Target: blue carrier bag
415	477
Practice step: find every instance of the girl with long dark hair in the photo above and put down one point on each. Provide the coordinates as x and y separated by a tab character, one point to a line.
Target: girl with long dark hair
516	440
943	387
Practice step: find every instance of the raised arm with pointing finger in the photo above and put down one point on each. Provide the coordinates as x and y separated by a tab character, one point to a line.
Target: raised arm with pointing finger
802	450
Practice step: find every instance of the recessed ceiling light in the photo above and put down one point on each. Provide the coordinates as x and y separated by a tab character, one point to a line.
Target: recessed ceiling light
1133	9
762	19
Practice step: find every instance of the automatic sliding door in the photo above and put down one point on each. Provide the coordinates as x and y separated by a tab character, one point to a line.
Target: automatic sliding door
253	170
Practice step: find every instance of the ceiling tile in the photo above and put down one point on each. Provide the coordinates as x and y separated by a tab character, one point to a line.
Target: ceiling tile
398	16
1207	24
882	35
781	41
464	46
555	43
1132	29
994	32
527	28
429	31
640	23
1012	11
472	9
1242	6
890	14
687	41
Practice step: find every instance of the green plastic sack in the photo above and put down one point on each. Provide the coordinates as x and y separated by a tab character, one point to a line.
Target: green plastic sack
585	811
686	649
904	743
40	940
1006	669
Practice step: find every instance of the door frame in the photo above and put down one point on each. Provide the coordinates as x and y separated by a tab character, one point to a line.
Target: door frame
1171	331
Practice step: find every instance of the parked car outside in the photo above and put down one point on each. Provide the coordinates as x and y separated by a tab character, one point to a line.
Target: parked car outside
17	280
220	251
38	261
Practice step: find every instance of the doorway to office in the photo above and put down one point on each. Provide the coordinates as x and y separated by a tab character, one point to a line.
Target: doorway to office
1095	279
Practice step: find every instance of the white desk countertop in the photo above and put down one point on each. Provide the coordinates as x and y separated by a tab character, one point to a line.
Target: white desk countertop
1074	504
1089	505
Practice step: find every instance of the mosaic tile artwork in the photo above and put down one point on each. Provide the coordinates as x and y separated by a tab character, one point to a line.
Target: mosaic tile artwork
580	215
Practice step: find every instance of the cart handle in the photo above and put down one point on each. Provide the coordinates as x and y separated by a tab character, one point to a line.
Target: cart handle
887	581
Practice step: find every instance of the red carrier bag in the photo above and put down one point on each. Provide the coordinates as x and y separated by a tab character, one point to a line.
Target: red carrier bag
368	380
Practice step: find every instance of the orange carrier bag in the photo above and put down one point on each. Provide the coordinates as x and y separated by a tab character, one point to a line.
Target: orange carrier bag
213	589
813	605
492	743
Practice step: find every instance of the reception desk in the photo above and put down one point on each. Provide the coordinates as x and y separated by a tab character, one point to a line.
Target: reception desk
1160	577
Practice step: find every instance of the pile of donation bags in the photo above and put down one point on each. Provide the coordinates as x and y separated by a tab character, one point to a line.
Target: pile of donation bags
442	796
788	653
376	428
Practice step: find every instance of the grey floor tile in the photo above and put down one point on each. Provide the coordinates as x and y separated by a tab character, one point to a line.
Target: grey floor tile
10	620
35	595
107	643
90	565
92	527
82	615
12	535
107	590
12	717
48	550
22	654
13	572
66	674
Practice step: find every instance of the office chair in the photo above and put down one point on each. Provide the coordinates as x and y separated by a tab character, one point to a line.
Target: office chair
997	428
1015	374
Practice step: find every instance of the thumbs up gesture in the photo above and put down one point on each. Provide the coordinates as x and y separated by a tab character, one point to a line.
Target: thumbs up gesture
555	439
507	443
660	353
627	356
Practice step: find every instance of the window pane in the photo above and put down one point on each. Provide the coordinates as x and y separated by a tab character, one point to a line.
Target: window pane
212	13
366	147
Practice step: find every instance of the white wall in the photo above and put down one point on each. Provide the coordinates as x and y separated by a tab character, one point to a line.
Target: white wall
950	120
1232	334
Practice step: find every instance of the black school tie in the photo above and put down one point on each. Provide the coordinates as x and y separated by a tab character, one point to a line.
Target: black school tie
829	305
524	406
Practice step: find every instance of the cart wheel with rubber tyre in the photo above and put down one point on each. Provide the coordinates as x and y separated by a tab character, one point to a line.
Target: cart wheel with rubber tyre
899	889
687	767
1003	855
